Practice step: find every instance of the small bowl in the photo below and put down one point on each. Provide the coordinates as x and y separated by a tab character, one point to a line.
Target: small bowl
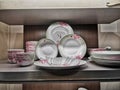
12	55
25	59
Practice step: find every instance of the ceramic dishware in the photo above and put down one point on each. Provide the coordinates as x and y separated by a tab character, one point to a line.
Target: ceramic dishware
72	46
110	55
31	46
12	54
46	48
106	62
25	59
58	30
61	64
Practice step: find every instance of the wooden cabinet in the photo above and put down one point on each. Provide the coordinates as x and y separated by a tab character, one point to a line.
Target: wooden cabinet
36	15
62	86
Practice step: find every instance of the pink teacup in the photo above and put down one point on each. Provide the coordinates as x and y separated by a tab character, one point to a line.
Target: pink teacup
12	54
25	59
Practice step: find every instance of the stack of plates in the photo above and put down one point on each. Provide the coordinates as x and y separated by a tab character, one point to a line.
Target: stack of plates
109	58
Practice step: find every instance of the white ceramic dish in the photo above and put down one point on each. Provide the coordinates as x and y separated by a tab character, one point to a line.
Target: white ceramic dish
72	46
112	55
40	64
105	62
58	30
24	59
63	61
46	48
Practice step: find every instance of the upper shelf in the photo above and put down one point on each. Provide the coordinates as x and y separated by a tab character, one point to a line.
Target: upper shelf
70	15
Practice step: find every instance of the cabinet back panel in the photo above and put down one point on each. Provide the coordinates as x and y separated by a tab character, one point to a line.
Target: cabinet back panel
88	32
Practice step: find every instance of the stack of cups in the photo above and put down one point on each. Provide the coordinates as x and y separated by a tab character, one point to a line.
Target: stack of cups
12	54
31	46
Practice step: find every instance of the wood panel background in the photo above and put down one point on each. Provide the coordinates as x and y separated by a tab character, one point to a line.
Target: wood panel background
11	87
62	86
4	33
15	36
108	39
88	32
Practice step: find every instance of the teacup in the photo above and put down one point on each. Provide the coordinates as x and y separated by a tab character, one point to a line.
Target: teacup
12	54
25	59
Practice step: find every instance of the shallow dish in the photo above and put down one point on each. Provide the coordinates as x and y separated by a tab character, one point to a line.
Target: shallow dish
46	48
72	46
46	65
58	30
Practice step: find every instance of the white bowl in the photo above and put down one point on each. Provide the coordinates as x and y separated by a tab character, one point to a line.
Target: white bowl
24	59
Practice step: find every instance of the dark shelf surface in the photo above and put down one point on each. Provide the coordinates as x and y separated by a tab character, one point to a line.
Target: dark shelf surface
69	15
11	73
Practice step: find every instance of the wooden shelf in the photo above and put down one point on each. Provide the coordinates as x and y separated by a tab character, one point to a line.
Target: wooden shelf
91	72
69	15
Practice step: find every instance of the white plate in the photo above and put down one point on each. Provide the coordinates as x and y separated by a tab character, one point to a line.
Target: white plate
112	55
72	46
46	48
48	66
105	61
58	30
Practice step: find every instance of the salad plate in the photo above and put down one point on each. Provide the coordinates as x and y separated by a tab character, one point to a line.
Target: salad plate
72	46
46	48
58	30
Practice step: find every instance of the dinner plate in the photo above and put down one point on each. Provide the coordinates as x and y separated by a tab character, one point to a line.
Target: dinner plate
40	64
111	55
72	46
105	62
58	30
46	48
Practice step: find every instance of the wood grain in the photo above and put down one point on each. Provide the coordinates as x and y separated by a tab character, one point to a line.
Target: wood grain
15	36
62	86
47	16
88	32
4	33
110	86
10	86
108	39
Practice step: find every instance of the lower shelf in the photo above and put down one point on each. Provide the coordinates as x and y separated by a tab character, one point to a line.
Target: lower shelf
11	73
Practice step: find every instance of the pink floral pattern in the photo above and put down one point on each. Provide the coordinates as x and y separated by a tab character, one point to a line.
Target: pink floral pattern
79	57
62	24
75	36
